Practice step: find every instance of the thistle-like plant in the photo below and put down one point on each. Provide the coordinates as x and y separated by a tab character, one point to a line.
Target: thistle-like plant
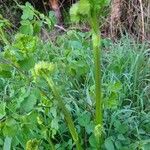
45	70
90	10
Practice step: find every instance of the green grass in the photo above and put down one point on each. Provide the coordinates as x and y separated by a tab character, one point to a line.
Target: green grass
126	69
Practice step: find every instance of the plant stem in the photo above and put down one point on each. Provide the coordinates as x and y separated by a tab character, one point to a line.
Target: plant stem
51	143
66	113
96	40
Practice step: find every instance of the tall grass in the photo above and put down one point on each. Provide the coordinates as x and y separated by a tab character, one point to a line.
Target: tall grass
126	73
127	62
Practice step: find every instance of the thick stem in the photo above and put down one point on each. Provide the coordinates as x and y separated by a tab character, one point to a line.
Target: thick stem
98	90
66	113
97	67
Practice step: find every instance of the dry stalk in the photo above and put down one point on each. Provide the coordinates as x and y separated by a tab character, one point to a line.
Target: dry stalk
142	20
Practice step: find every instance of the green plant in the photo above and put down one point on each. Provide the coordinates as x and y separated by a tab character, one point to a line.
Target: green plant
91	10
33	21
44	82
44	69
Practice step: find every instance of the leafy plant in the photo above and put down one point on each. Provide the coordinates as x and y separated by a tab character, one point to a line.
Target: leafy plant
33	21
44	69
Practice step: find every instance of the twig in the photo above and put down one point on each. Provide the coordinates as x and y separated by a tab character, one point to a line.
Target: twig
60	27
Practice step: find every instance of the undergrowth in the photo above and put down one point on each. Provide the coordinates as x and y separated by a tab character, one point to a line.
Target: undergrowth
30	113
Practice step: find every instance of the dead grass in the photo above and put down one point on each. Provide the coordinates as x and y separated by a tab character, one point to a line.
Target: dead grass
131	16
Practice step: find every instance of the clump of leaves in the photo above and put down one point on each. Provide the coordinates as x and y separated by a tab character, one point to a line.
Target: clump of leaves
33	21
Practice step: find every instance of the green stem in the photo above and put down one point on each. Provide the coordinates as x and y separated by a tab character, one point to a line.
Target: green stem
66	113
51	143
97	66
96	40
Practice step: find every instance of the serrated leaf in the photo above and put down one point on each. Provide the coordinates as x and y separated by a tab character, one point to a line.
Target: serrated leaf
28	12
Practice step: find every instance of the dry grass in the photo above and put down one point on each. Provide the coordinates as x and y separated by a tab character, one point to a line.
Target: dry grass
130	16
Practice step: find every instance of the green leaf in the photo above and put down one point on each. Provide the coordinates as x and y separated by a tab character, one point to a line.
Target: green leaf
37	27
4	66
10	128
27	63
146	146
92	141
5	70
121	137
29	103
29	121
55	124
74	12
2	109
32	144
7	143
109	144
118	145
26	27
5	74
1	142
84	119
84	7
52	17
28	12
25	44
116	87
49	23
90	127
112	101
122	128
